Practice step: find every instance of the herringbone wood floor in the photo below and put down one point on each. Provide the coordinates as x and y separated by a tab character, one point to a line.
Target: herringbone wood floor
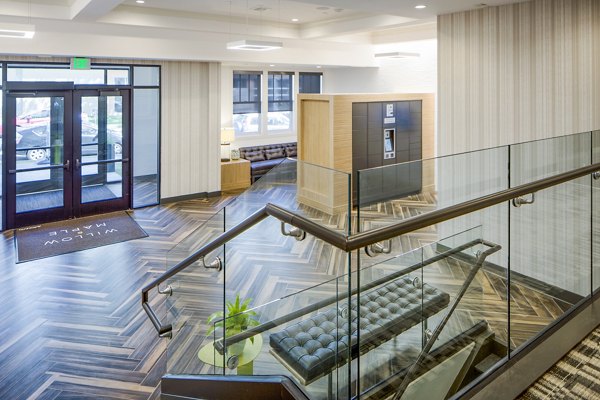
73	327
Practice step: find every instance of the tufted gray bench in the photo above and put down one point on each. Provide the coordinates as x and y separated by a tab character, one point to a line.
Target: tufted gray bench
316	346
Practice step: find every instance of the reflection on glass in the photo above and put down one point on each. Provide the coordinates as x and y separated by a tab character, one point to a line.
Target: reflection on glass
145	152
245	124
102	182
39	190
146	76
39	143
101	134
279	121
79	77
1	153
117	76
549	253
101	140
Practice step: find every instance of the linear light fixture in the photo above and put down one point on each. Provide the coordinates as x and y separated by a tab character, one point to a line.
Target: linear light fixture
20	31
254	45
396	54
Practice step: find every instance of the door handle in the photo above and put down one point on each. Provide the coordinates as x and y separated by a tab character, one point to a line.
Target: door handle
67	165
77	163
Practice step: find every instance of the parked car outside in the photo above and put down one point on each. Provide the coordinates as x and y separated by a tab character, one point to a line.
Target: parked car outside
35	118
37	140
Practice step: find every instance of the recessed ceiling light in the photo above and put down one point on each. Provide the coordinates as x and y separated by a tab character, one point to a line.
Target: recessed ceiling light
20	31
318	66
396	54
295	20
256	45
140	1
420	6
271	65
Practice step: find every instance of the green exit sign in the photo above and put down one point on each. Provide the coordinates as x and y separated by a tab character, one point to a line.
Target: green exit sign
81	63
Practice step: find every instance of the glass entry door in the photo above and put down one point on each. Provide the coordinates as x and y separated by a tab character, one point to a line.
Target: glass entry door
101	179
38	159
66	155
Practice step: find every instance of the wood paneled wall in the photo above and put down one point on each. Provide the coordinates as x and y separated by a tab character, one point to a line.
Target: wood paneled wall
190	123
518	72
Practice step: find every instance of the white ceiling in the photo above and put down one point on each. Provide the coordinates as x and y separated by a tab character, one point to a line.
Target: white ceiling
266	10
278	11
200	28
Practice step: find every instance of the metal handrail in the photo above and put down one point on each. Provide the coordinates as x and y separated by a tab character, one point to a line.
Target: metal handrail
360	240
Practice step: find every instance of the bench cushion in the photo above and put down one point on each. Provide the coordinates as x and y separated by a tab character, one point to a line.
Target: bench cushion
266	165
315	346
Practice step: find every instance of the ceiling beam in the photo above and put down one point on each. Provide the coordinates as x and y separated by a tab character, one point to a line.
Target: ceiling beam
92	9
320	30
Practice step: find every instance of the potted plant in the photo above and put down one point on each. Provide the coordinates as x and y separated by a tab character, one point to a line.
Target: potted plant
237	319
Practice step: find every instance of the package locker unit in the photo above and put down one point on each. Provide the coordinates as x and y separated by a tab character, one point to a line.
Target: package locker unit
352	132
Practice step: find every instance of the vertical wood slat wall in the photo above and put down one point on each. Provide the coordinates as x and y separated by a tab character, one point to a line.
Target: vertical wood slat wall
518	72
190	123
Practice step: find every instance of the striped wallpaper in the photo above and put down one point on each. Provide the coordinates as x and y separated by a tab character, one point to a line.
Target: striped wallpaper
518	72
512	74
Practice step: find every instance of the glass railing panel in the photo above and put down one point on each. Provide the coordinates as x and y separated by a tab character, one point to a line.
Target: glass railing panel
265	265
303	335
389	194
435	277
312	191
467	337
532	161
197	292
550	257
388	335
596	211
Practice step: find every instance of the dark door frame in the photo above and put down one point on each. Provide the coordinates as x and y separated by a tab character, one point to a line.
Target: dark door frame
124	202
13	219
71	168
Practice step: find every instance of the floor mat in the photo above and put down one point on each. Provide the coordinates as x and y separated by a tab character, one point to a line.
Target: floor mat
72	235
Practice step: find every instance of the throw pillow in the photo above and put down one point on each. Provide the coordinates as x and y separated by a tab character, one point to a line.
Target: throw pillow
291	151
255	156
274	153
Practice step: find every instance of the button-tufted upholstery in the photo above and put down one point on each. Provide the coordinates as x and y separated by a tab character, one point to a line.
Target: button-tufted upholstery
261	167
315	346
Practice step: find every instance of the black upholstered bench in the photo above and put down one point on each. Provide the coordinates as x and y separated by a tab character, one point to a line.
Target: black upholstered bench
314	347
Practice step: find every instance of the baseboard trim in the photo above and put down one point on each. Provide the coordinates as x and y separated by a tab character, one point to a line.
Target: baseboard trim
193	196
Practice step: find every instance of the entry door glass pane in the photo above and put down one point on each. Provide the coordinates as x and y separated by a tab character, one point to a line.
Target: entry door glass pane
1	152
39	147
106	182
146	111
101	147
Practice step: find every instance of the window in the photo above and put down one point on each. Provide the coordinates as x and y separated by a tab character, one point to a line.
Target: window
246	102
263	100
281	101
310	82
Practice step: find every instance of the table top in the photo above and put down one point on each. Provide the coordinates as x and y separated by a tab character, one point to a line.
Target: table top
238	161
209	355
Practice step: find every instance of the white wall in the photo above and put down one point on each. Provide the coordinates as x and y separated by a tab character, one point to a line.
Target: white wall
407	75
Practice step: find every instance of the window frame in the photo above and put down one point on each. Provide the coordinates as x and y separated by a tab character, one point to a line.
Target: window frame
263	132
